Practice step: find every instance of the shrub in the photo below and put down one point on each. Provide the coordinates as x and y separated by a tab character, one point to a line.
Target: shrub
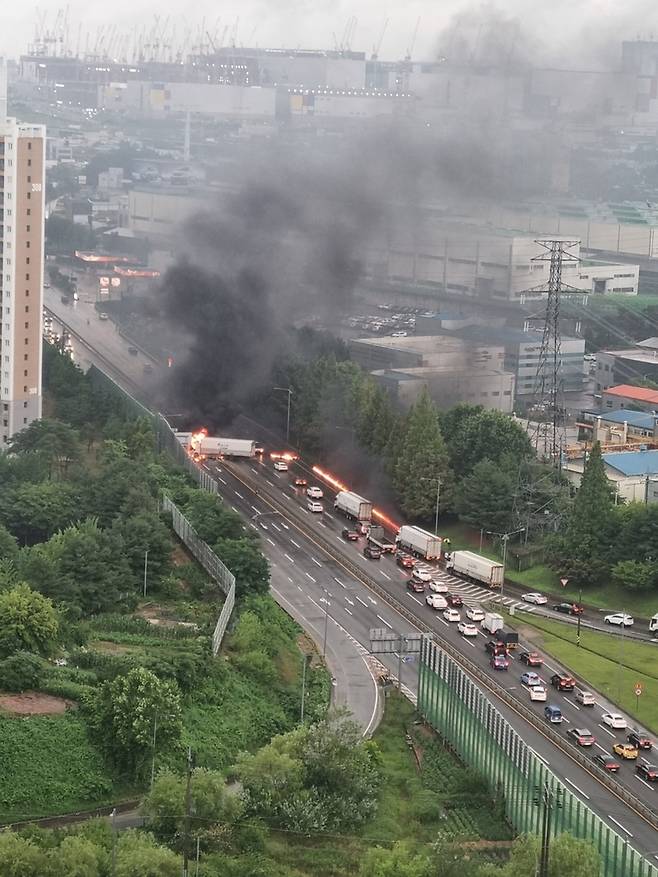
20	671
426	806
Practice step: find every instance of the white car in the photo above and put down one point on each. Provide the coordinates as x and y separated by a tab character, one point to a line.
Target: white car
438	587
436	601
314	492
314	506
467	629
534	597
537	692
474	613
614	720
280	466
451	615
620	619
423	575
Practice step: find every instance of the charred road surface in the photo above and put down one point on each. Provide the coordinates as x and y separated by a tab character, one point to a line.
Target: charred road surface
308	552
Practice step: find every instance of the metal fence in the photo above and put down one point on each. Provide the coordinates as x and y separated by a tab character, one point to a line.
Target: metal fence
210	562
459	710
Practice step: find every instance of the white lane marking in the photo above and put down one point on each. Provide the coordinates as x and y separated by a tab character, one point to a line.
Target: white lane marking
309	576
222	480
290	580
285	526
575	707
385	622
385	576
372	600
362	602
322	525
271	541
468	642
304	510
612	818
644	781
295	544
351	602
251	524
275	526
239	494
235	510
571	783
256	510
339	582
348	611
329	515
285	496
276	474
289	558
254	470
299	587
602	748
415	598
606	730
540	757
317	562
441	620
270	482
264	526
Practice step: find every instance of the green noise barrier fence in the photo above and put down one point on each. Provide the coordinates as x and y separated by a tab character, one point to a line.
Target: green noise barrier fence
454	705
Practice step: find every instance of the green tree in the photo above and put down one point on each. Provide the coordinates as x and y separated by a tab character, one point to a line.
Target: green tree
58	442
20	857
20	671
211	803
399	861
138	855
485	496
210	517
140	438
635	575
568	857
473	434
28	622
423	459
581	550
247	563
124	712
140	533
76	857
33	512
8	545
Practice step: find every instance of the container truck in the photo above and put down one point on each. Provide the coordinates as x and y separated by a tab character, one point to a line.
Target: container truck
481	569
353	506
377	539
492	621
419	542
211	446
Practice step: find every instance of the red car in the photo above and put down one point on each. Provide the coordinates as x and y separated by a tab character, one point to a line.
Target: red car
406	561
300	482
607	762
532	659
639	740
454	600
562	682
495	648
499	662
647	771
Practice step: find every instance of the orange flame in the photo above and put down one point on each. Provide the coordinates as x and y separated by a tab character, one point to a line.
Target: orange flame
334	482
283	455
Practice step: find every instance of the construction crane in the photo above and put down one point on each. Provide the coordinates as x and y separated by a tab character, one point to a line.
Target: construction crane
412	45
378	45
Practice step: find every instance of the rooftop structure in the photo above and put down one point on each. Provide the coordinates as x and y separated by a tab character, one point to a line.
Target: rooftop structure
624	395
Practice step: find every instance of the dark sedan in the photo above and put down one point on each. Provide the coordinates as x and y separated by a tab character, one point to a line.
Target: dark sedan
568	608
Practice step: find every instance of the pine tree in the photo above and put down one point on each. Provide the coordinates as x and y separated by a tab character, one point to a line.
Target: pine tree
423	459
594	501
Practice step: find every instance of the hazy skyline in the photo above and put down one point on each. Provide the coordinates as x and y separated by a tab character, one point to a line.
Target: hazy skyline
572	34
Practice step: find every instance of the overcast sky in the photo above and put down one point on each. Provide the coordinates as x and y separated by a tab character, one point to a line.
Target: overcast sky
585	29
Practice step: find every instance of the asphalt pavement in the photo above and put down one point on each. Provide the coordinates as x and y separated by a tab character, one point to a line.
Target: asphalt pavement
252	487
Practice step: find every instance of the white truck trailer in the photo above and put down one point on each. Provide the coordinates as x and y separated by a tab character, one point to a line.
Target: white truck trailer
353	506
492	622
419	542
476	567
212	446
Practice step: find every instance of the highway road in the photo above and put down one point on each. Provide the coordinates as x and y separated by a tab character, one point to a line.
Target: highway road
252	488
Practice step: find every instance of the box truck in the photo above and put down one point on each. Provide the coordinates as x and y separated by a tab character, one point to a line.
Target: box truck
212	446
653	623
474	566
492	621
419	542
353	506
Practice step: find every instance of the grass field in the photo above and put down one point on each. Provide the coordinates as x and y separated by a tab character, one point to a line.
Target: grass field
610	664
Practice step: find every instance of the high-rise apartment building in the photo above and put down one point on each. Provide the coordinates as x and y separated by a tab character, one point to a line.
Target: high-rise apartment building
22	211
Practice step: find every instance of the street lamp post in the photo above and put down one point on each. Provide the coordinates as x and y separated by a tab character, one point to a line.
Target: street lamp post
326	605
438	499
580	604
287	390
505	537
146	568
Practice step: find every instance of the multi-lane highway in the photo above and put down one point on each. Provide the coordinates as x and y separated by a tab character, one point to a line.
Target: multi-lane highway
276	508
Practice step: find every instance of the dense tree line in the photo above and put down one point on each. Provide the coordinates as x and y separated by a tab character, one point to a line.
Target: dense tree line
602	540
479	456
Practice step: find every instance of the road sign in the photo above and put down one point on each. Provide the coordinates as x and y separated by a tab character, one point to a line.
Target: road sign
564	582
638	692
